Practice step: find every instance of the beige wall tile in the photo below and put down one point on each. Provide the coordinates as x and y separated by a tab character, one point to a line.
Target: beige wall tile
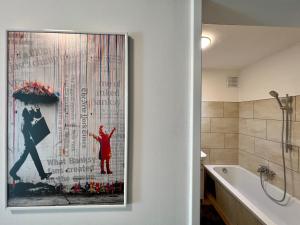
267	109
278	179
296	133
212	109
293	105
297	108
253	127
231	141
229	134
224	125
250	161
294	182
212	140
223	156
272	151
246	109
246	143
293	179
231	109
263	147
205	124
274	130
267	125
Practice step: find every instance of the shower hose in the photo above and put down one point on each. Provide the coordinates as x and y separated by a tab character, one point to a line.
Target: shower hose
283	146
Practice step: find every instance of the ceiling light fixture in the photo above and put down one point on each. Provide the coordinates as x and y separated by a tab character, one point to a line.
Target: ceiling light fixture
205	42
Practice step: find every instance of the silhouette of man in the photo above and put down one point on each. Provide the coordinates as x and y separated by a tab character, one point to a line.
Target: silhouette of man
105	149
28	117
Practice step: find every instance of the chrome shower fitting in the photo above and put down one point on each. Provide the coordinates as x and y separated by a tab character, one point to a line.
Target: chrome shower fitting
285	145
285	101
264	170
285	106
276	96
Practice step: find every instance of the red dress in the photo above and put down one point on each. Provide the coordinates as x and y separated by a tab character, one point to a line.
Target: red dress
104	141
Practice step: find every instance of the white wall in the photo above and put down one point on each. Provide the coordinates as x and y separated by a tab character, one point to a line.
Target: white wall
280	72
159	102
214	85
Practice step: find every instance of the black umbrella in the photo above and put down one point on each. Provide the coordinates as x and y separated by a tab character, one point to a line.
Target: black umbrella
36	92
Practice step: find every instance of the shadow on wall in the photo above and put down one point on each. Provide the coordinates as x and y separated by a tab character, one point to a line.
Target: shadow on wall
218	13
135	123
255	12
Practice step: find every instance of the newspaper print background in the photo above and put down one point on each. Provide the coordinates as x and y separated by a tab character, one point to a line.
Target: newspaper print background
88	71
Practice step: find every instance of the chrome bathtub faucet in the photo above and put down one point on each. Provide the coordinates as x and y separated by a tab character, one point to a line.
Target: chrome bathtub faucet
264	170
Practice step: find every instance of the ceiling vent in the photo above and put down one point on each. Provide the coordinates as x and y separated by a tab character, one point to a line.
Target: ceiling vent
232	82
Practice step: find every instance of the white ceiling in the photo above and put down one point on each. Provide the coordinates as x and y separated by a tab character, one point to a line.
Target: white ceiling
235	47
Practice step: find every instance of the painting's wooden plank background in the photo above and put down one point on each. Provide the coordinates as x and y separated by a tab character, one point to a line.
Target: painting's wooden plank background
88	71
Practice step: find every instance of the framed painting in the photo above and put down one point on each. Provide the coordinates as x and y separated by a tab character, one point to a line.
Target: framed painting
66	119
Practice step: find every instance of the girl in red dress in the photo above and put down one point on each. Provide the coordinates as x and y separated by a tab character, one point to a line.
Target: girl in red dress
105	150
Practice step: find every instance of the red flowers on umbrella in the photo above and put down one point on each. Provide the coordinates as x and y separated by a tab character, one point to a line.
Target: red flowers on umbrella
36	92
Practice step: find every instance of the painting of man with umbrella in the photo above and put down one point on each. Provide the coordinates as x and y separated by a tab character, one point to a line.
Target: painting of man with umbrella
51	160
34	127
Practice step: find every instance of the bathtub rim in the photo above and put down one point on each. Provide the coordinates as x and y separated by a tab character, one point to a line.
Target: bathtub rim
261	217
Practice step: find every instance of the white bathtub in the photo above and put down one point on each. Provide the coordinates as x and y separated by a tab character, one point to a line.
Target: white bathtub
245	186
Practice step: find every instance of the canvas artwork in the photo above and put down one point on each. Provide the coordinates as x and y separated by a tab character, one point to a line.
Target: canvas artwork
67	109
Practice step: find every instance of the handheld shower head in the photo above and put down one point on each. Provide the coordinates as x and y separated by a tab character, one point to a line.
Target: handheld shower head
275	95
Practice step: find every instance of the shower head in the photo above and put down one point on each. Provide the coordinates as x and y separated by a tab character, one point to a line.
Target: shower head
275	95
